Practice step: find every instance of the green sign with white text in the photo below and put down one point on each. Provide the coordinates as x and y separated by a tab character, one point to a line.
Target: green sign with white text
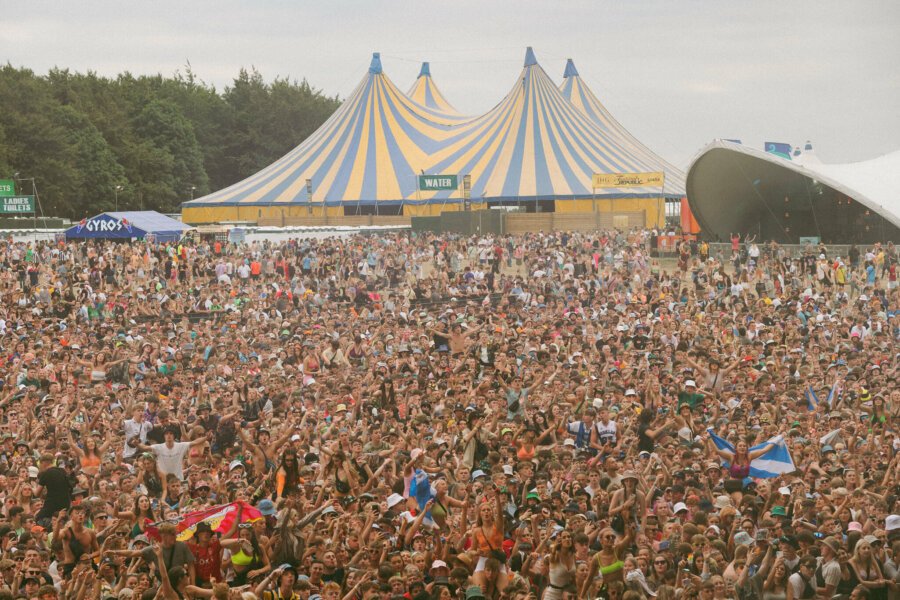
17	204
432	183
7	187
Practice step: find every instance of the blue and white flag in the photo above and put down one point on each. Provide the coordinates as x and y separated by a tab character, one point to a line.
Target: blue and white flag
420	489
812	400
773	463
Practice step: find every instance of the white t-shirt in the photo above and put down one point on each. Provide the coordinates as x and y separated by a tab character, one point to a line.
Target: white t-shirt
799	584
133	429
170	460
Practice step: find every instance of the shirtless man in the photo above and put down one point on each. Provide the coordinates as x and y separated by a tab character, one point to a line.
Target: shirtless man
77	540
457	337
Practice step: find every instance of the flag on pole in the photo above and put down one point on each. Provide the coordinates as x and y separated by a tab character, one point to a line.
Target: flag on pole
773	463
220	519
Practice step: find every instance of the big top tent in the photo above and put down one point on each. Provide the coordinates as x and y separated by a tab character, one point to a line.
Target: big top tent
534	148
578	93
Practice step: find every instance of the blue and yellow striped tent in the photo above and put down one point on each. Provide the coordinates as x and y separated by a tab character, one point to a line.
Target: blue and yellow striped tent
579	94
425	91
534	146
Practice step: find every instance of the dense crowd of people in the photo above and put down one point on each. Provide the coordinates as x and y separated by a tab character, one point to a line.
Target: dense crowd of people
395	416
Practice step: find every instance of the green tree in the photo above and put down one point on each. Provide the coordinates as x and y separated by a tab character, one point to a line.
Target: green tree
162	124
80	134
96	171
270	120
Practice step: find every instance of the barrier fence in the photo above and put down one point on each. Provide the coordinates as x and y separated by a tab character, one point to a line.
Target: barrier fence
477	221
723	250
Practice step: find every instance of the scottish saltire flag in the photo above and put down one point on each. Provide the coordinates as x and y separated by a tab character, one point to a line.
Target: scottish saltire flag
779	149
420	489
773	463
813	401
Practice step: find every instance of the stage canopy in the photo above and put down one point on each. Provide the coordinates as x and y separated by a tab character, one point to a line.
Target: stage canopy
129	225
533	145
733	188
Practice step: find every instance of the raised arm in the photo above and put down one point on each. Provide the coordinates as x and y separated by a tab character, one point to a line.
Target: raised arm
761	451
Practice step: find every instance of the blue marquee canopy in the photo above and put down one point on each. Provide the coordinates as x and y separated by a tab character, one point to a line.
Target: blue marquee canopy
128	225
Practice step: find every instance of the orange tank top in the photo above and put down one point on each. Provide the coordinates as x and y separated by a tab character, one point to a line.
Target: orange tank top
487	544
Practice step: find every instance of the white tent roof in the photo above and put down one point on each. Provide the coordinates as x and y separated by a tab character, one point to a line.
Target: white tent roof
806	156
873	183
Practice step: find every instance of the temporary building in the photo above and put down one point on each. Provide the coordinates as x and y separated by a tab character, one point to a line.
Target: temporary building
534	149
736	189
425	91
128	225
578	93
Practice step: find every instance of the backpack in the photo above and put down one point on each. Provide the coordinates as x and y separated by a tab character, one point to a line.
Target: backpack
481	450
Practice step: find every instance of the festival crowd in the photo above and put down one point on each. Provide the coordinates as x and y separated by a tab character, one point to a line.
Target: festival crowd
403	416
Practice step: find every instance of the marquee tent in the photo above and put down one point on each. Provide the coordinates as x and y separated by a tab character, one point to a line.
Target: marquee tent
579	94
129	225
425	92
533	147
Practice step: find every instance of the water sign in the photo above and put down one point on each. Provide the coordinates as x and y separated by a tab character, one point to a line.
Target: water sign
436	183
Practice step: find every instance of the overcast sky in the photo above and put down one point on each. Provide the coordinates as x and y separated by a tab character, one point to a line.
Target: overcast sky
677	74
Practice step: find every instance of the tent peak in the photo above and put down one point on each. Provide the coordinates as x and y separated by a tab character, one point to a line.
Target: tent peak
425	71
375	65
530	60
570	71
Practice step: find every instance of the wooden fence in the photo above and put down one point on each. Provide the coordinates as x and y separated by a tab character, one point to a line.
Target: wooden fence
336	221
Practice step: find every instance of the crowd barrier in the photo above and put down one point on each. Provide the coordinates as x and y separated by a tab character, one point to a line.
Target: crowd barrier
476	222
723	250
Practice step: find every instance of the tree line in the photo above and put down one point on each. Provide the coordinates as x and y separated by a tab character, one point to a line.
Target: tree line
149	142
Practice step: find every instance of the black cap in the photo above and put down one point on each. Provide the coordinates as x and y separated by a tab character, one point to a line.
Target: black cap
790	540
